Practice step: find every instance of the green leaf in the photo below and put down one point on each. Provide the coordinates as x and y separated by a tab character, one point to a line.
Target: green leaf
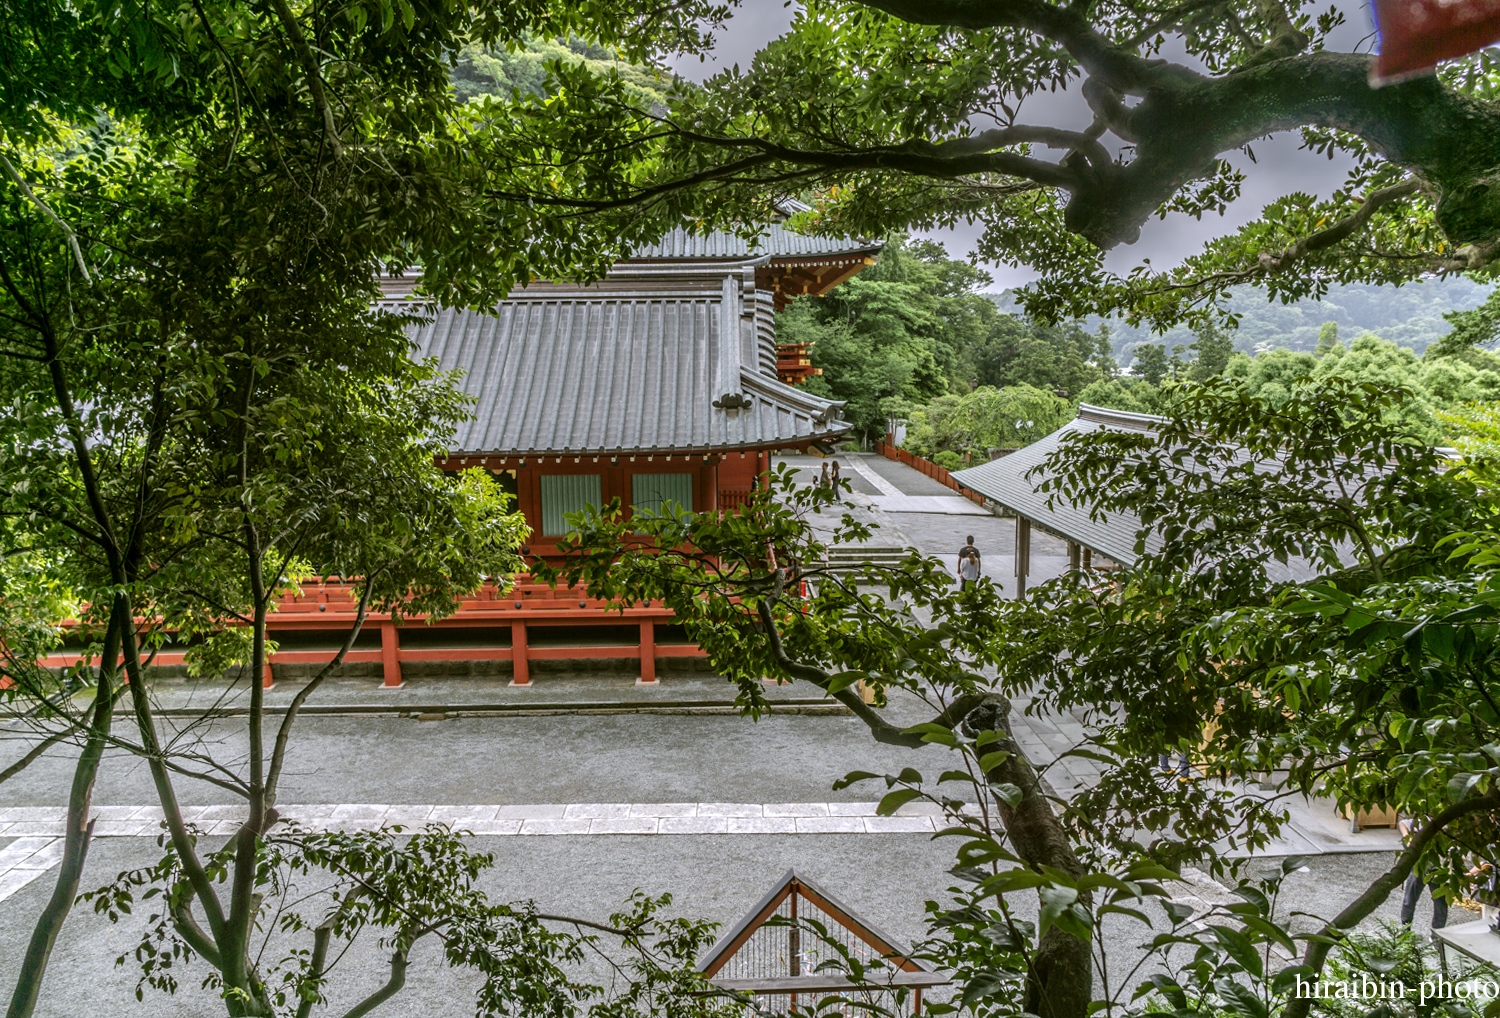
895	800
843	680
1239	947
1007	793
851	778
1055	902
1169	988
1179	912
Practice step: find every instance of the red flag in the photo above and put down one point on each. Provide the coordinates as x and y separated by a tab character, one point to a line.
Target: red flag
1416	34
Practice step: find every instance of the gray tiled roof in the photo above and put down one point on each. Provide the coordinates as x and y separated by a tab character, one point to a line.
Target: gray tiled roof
1114	536
633	364
1004	481
776	242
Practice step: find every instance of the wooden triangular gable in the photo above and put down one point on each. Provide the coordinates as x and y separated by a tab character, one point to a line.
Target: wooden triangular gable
905	970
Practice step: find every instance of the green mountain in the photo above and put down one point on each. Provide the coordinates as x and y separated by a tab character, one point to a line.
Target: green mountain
1409	316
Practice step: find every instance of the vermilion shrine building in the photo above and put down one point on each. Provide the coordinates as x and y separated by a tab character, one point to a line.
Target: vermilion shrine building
658	383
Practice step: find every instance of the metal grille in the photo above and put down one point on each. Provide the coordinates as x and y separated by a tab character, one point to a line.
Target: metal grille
566	493
651	491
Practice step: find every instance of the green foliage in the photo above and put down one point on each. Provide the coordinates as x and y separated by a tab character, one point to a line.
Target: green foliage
526	70
1150	363
1328	339
1314	598
1120	395
903	337
1211	350
1390	953
899	333
948	460
403	888
1006	418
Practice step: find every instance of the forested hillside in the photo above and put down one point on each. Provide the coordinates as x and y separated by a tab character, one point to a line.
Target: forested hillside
1410	315
915	337
498	72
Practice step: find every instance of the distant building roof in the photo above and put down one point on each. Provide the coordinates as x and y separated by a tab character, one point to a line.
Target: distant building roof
632	364
777	243
1004	482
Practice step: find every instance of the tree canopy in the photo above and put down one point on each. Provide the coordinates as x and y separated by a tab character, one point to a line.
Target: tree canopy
890	113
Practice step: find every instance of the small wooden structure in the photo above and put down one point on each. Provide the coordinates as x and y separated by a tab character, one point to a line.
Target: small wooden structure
782	962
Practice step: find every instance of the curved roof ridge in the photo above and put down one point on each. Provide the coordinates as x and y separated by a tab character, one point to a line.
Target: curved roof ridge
1119	418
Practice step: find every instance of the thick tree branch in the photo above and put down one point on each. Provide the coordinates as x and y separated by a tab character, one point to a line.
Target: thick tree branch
313	72
1068	26
1269	262
880	728
1059	980
1365	905
76	839
1052	137
386	992
56	219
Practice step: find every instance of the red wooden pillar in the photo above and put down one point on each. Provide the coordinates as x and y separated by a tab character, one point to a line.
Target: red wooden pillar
268	680
389	661
519	669
648	654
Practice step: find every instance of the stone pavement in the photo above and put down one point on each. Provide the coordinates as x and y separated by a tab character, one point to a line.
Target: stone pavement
1314	827
37	824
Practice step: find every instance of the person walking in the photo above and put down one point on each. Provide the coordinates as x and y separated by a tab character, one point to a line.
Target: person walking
823	479
837	494
968	568
969	549
1415	885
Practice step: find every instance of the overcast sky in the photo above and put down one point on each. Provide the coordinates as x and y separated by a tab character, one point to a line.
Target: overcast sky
1280	166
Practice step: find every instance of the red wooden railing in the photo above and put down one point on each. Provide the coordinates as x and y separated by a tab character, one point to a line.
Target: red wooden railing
927	467
332	607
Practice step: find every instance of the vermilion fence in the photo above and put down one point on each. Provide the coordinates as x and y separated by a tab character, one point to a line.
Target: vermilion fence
927	467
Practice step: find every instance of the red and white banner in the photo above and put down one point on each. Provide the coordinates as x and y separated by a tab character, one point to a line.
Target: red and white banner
1416	34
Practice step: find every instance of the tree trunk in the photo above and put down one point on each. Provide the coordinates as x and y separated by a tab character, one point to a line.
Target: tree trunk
1060	983
77	837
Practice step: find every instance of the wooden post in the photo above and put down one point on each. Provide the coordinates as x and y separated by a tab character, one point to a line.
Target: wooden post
1088	558
1023	554
1073	555
648	654
268	680
520	671
390	663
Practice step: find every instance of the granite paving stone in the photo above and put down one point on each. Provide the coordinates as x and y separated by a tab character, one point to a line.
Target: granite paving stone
795	809
899	825
623	825
555	827
831	825
597	810
729	809
693	825
762	825
538	811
